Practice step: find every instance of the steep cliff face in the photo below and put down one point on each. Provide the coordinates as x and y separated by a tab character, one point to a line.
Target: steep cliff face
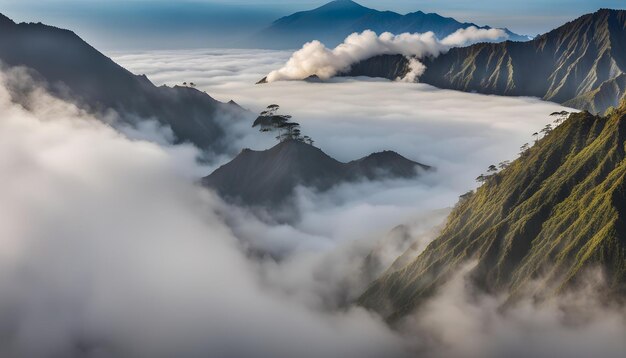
580	64
553	213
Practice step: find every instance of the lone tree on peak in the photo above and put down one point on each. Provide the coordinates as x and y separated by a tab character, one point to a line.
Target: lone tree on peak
269	121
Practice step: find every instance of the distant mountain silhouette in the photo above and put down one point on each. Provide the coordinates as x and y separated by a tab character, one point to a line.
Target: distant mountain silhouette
581	64
75	71
333	22
269	177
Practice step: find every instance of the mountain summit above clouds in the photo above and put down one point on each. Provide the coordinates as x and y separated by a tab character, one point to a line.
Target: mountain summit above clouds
73	70
581	64
269	177
333	22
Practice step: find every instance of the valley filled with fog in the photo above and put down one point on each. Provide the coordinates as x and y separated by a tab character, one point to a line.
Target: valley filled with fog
342	181
155	260
460	134
318	260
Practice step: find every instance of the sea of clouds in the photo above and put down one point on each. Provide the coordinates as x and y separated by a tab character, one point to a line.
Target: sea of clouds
110	249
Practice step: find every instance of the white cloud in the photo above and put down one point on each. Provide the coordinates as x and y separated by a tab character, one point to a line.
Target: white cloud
129	258
322	254
316	59
107	250
460	134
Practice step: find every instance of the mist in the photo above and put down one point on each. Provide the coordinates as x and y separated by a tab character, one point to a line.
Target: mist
459	134
111	269
130	257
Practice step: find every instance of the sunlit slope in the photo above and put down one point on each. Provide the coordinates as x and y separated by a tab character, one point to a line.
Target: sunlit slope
554	212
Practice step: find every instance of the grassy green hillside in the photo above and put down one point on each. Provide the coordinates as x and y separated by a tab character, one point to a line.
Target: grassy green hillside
558	209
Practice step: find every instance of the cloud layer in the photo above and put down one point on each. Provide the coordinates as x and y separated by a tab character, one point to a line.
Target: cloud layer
460	133
129	258
316	59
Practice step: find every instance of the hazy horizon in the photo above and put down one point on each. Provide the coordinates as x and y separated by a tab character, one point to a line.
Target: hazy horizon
158	24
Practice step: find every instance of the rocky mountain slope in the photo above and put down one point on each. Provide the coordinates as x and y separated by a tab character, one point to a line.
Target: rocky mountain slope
333	22
75	71
535	227
269	177
581	64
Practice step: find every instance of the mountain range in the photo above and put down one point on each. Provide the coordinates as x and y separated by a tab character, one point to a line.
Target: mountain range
269	177
333	22
534	228
73	70
581	64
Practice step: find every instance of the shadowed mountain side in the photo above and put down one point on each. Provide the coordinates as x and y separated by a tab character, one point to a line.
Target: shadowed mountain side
391	67
580	64
269	177
75	71
333	22
535	227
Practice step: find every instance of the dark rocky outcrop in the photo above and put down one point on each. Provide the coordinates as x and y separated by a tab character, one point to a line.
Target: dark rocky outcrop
269	177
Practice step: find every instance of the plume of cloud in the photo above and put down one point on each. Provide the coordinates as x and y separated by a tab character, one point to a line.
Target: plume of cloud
316	59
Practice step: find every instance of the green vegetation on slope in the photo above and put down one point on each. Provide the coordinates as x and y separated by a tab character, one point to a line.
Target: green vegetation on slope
557	210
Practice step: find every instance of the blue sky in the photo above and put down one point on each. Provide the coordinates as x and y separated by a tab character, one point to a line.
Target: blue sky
122	24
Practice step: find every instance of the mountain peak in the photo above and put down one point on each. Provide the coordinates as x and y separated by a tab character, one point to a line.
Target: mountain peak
269	177
558	74
5	21
333	22
342	4
81	74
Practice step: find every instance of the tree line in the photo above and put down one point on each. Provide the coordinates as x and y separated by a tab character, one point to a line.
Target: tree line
493	169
